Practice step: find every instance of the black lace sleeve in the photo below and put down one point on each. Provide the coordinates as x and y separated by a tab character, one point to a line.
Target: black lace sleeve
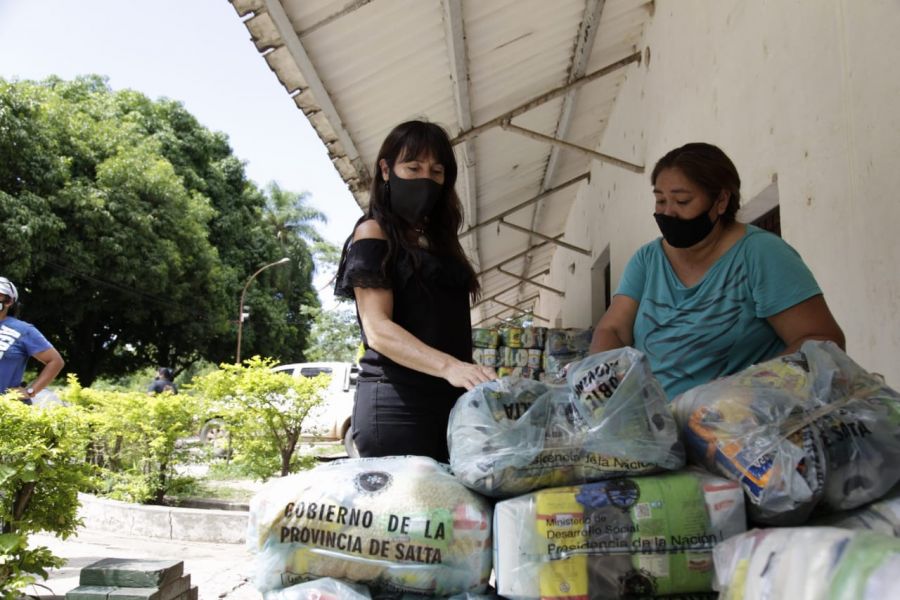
361	267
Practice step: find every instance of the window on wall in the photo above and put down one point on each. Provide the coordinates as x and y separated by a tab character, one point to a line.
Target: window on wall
762	210
600	286
771	221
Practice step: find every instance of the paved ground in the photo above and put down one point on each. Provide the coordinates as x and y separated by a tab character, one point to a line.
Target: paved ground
219	570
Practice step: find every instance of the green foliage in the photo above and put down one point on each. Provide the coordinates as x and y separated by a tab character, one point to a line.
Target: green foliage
334	335
134	438
42	467
136	228
264	411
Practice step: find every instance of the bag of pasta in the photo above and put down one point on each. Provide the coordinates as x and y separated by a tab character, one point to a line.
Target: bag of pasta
396	524
609	419
803	432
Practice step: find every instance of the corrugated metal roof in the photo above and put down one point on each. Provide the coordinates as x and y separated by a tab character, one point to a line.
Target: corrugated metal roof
356	68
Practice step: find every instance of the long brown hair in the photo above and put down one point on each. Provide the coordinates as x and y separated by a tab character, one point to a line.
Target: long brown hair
408	141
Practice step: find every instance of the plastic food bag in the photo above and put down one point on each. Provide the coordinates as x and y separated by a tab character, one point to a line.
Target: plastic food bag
512	436
613	539
321	589
804	431
485	338
395	524
809	563
882	516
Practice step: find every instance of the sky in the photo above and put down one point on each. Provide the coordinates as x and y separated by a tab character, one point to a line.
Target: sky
197	52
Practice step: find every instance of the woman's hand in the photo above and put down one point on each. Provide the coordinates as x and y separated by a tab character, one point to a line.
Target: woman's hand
468	375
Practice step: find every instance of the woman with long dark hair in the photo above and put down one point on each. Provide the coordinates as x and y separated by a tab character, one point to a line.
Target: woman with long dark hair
406	270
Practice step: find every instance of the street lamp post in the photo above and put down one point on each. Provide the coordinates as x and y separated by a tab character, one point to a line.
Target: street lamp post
237	357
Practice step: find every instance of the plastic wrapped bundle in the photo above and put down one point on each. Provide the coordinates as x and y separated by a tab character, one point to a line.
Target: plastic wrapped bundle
882	516
321	589
808	562
395	524
519	372
511	436
563	347
811	430
485	338
485	356
533	337
621	538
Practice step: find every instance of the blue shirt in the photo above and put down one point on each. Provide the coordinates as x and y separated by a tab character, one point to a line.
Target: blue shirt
18	341
717	327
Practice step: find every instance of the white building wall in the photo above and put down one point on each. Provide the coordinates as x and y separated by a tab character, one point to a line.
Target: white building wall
805	91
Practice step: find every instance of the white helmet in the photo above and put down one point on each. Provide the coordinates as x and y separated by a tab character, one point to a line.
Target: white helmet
7	288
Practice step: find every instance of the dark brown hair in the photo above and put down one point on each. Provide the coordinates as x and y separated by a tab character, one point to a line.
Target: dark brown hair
408	141
708	167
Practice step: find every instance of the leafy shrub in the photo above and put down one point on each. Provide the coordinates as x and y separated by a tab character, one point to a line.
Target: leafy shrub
264	412
134	438
42	467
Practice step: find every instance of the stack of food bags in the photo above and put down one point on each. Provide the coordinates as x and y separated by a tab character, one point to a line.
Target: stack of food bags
621	538
609	419
811	563
394	524
811	430
563	347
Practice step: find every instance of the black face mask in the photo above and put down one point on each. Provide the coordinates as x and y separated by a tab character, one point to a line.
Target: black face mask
413	199
684	233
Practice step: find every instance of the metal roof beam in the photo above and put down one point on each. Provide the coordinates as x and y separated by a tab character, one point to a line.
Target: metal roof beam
552	240
529	202
515	308
514	257
546	97
454	33
507	126
508	289
323	98
533	282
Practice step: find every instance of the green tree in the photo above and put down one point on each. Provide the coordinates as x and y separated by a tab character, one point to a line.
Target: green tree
334	336
132	230
264	412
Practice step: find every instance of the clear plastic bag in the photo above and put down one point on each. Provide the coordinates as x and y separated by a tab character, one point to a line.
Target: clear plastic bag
882	516
811	430
635	537
396	524
321	589
812	563
610	419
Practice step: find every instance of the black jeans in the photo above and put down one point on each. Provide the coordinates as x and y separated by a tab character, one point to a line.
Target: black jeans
395	420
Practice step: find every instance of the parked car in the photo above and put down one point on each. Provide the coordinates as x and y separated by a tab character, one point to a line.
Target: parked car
330	421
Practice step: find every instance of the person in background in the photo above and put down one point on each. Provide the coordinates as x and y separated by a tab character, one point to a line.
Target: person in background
163	382
406	270
20	341
712	296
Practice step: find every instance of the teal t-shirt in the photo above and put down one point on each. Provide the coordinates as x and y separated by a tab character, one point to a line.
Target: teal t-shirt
692	335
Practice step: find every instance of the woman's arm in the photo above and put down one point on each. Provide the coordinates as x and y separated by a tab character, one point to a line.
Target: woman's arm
616	327
376	310
375	307
808	320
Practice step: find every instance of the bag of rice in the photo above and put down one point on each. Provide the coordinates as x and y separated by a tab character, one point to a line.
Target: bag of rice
511	436
620	538
812	563
811	430
397	524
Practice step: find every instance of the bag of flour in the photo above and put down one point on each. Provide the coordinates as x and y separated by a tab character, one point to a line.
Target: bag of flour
396	524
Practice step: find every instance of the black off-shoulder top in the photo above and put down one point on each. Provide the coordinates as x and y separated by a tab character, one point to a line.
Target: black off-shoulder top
432	304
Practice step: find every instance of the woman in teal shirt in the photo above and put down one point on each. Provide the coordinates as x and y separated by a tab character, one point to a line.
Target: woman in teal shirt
712	296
